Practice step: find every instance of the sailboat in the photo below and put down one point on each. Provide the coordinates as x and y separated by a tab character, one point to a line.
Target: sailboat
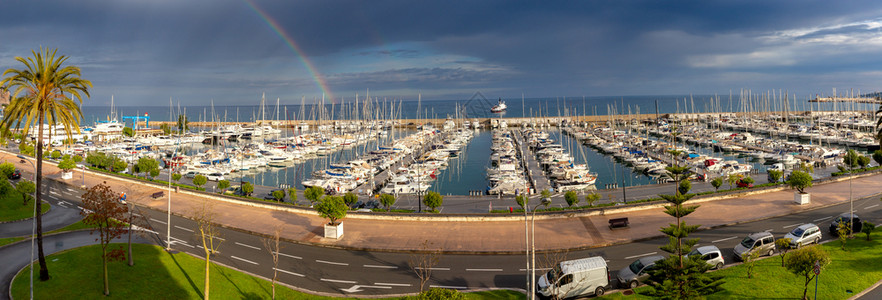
499	107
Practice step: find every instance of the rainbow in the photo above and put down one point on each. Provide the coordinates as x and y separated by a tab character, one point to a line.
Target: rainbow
274	25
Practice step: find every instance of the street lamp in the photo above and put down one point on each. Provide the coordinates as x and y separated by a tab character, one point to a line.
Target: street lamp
34	228
545	202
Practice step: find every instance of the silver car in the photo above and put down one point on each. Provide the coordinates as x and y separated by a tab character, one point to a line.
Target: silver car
638	270
803	235
760	242
710	254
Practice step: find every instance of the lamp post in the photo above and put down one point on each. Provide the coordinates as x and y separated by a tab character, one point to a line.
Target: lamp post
545	202
34	228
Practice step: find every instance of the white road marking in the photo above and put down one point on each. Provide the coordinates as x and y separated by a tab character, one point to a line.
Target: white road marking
54	193
246	245
289	255
158	221
331	263
871	206
538	269
434	269
380	267
767	230
641	255
242	259
337	281
136	227
484	270
821	219
289	272
220	238
183	228
449	287
788	226
391	284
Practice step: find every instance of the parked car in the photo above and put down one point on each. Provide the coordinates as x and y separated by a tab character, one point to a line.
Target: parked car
856	224
574	278
269	196
630	276
710	254
215	176
191	174
15	175
761	242
803	235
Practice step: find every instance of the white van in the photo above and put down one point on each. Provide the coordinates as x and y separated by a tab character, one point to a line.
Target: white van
587	276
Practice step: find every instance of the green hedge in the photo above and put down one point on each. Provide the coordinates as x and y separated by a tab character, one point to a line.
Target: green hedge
861	170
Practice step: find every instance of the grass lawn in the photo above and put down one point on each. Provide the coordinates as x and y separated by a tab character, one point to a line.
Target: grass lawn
7	241
11	208
76	274
855	269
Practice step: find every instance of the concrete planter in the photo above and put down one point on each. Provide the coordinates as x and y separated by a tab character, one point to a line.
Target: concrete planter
802	198
66	175
334	231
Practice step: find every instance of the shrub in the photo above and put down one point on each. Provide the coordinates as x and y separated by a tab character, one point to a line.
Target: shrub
55	154
716	183
199	180
67	165
591	198
571	198
800	180
223	185
433	200
292	193
331	208
775	175
176	176
279	195
440	294
313	193
247	188
387	200
350	199
6	170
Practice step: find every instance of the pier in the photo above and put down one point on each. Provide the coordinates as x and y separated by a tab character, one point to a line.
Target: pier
540	182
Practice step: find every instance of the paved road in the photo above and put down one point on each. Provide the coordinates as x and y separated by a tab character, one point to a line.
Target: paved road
61	214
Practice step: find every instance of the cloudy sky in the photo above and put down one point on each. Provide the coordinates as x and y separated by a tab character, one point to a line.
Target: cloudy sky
144	52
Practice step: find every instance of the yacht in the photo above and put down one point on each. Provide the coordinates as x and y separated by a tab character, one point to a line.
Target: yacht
499	107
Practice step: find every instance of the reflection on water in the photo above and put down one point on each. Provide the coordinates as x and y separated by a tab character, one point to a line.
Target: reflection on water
468	171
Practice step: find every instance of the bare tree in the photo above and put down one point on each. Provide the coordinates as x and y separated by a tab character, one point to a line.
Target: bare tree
273	245
102	209
547	261
208	232
423	261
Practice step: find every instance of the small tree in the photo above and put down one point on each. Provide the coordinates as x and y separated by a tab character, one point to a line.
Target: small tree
863	161
247	188
387	200
223	185
26	188
868	228
128	132
102	210
176	177
571	198
684	187
522	201
118	165
851	159
56	154
732	179
183	123
716	183
67	164
749	259
208	233
800	180
350	199
278	195
591	198
802	263
6	170
147	165
783	244
199	180
292	193
313	194
775	175
77	158
423	261
433	200
545	194
747	180
273	246
877	156
331	208
843	231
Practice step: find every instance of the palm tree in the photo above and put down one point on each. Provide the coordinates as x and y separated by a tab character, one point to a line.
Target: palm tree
879	124
43	93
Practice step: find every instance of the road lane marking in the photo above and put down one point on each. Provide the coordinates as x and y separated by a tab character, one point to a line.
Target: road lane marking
821	219
246	245
158	221
641	255
449	287
767	230
242	259
434	269
289	272
331	263
380	267
183	228
337	281
220	238
788	226
288	255
391	284
484	270
871	206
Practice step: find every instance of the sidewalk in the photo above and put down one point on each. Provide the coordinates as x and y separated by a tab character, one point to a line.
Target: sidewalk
485	236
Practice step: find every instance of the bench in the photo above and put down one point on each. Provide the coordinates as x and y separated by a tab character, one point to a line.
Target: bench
618	222
157	195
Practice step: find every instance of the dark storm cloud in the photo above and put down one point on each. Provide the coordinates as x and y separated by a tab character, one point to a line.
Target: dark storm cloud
206	49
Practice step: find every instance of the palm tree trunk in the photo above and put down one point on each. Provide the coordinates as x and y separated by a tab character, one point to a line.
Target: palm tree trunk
44	272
